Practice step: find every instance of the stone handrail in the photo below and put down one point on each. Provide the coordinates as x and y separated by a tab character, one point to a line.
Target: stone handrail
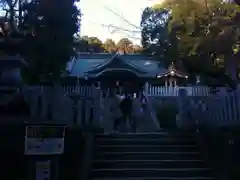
152	112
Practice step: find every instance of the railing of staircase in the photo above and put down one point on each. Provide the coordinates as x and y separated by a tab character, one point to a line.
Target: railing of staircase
217	129
152	111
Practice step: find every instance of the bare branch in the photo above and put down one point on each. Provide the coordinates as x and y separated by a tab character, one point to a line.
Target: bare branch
114	28
117	28
121	17
133	37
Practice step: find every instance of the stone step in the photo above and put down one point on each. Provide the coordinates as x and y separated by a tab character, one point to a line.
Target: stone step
148	148
150	172
145	141
147	156
144	135
158	178
121	164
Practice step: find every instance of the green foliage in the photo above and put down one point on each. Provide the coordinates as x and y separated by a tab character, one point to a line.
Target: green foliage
110	46
155	35
124	45
95	45
197	33
52	25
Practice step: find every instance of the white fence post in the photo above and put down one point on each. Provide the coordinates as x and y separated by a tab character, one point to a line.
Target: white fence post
173	91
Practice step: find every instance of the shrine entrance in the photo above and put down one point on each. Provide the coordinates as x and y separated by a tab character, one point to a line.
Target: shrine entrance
117	78
120	82
117	75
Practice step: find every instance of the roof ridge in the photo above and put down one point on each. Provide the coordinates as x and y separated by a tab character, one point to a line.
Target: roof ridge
106	62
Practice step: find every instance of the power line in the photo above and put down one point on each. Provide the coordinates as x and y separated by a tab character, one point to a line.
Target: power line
121	17
115	28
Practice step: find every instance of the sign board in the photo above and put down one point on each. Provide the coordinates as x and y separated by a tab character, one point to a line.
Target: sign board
44	140
43	170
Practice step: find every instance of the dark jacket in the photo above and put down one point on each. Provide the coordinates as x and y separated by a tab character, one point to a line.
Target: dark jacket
126	106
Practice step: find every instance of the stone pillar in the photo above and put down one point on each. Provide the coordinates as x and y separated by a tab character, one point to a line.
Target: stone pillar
166	83
175	83
182	117
198	79
146	88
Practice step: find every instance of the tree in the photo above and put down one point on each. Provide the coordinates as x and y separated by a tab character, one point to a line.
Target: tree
196	31
94	40
11	37
11	9
155	35
110	46
137	48
93	44
124	45
203	27
81	45
53	25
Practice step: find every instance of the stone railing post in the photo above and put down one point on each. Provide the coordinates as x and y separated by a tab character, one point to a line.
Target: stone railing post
182	117
146	89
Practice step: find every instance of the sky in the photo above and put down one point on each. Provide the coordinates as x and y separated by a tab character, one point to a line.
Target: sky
95	15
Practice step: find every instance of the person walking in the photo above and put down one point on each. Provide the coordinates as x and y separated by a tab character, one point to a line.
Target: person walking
126	109
116	112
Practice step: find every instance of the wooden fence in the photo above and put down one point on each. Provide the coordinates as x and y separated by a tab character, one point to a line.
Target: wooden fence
215	110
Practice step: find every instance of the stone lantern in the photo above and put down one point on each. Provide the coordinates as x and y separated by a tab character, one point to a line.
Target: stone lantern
11	45
10	70
13	105
12	101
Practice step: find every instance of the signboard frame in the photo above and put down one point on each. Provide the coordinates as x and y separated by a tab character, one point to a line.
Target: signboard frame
44	139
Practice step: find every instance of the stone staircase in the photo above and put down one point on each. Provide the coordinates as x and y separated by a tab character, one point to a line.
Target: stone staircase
148	156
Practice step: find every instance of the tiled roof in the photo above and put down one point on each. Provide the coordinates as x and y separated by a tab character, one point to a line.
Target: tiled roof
82	64
86	62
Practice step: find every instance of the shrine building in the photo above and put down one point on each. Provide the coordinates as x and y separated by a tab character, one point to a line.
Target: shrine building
134	69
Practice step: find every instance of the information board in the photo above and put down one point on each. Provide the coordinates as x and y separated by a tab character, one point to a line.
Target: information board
44	140
43	170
